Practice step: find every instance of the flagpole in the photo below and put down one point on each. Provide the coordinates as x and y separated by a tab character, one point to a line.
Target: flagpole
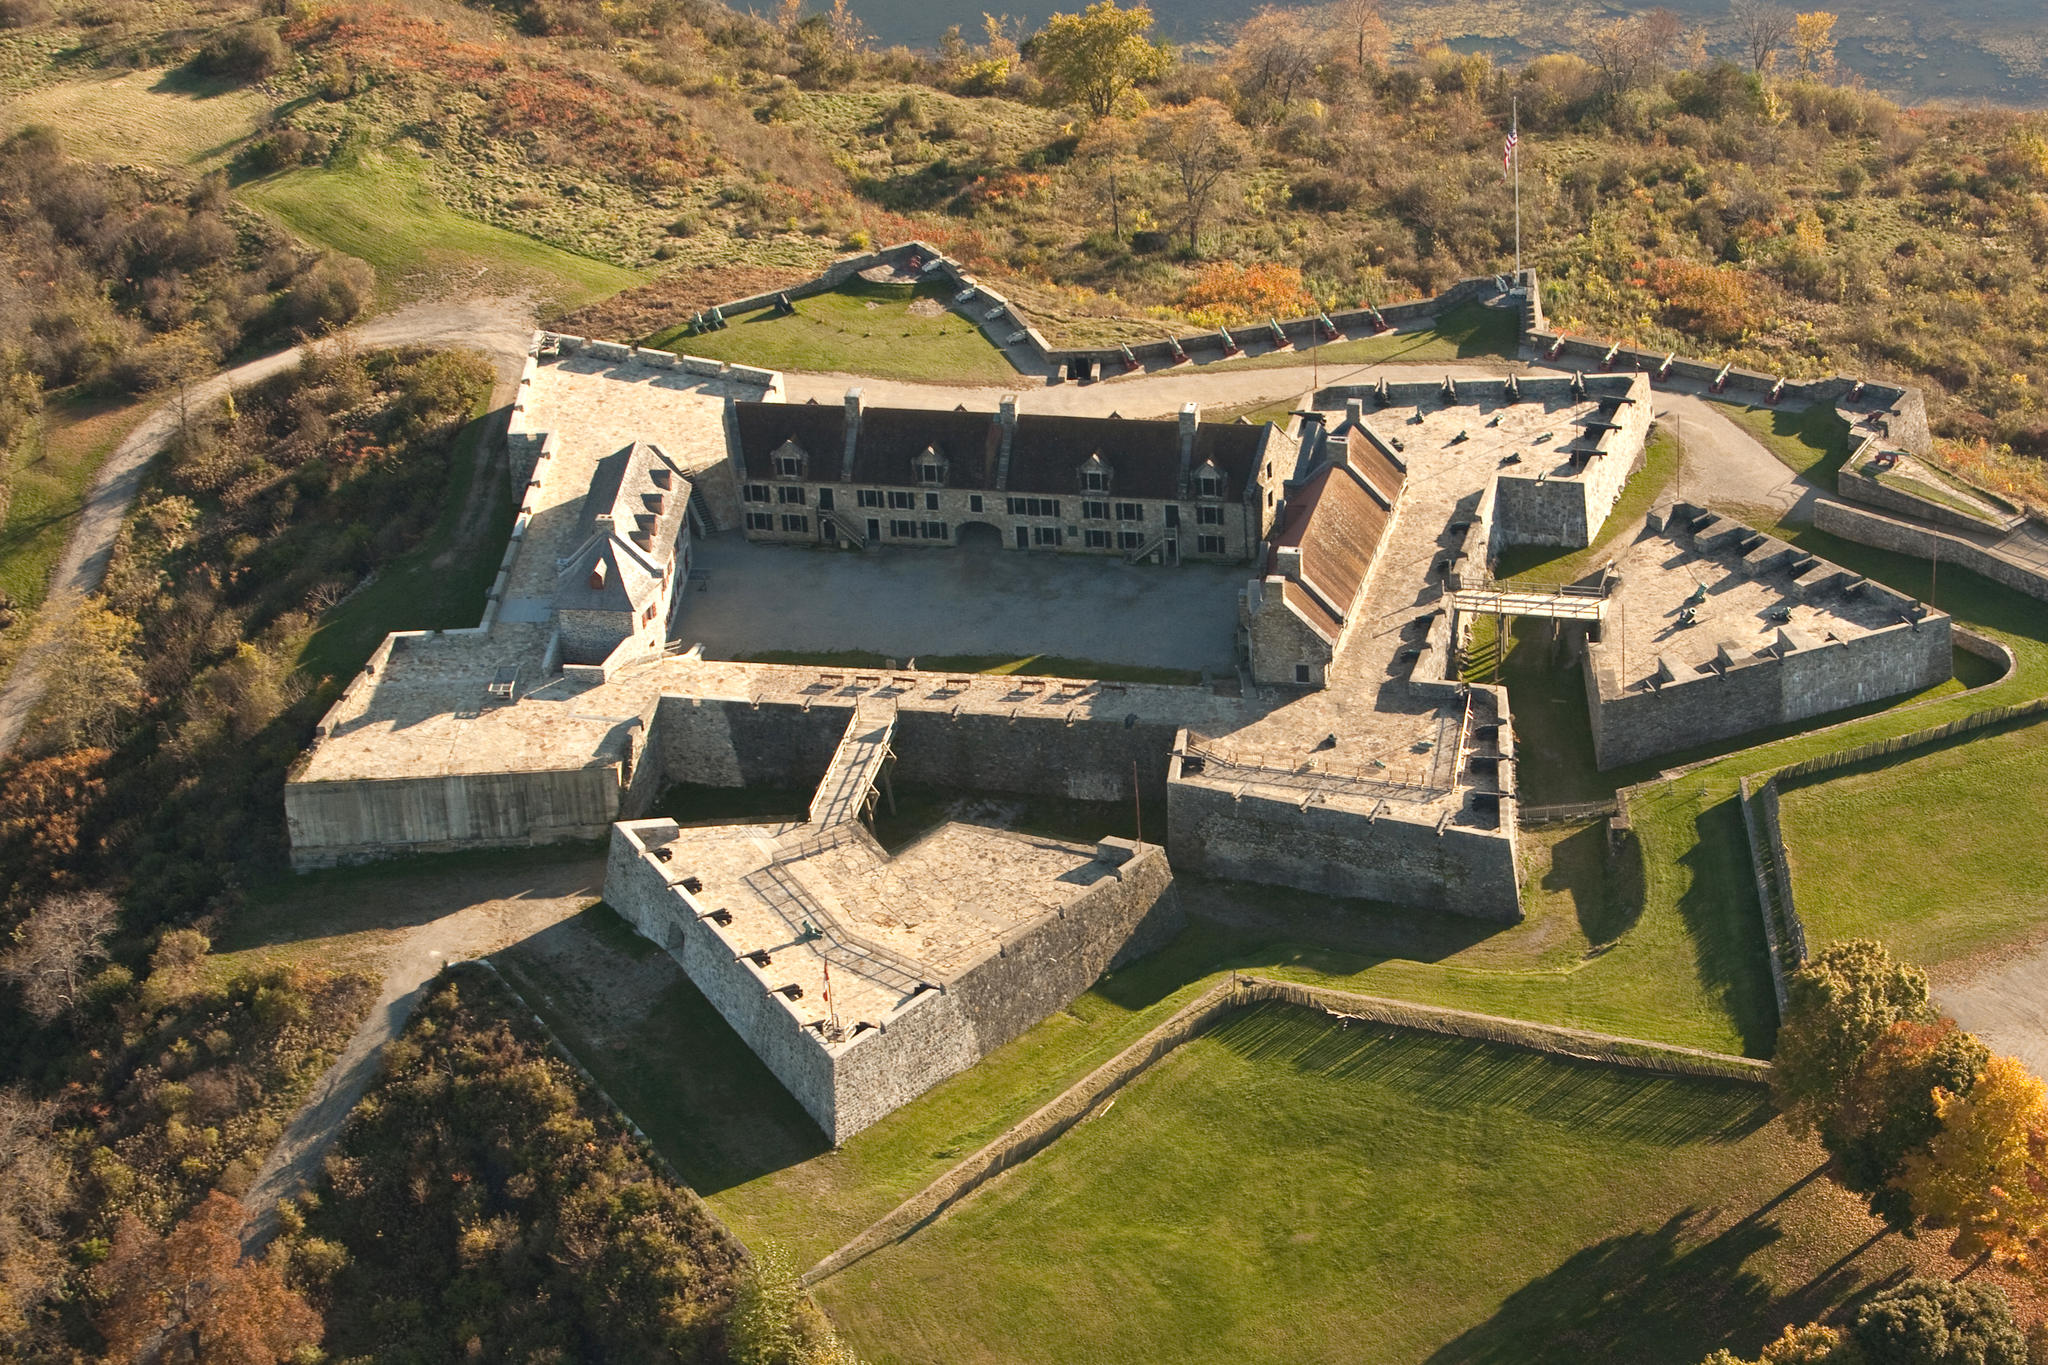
1515	130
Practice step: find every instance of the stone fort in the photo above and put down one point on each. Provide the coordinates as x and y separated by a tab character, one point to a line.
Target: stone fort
1347	757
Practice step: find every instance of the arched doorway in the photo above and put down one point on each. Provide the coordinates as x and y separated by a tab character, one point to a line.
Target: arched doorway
978	537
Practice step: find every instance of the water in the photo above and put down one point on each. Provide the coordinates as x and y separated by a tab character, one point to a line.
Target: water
1967	51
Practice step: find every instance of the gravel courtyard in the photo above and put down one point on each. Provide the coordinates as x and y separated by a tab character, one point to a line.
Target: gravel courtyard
746	599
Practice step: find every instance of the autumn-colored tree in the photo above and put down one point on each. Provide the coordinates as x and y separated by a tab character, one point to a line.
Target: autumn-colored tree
32	1196
1097	57
1225	293
1200	144
1888	1108
1937	1322
43	804
1630	52
1717	302
61	938
1837	1006
1806	1344
92	680
1105	160
190	1295
1985	1174
1813	43
1765	27
1274	58
1364	31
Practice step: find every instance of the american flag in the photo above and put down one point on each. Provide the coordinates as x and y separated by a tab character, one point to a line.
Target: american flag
1507	153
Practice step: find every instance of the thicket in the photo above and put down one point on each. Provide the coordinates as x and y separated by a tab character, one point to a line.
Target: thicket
483	1203
128	279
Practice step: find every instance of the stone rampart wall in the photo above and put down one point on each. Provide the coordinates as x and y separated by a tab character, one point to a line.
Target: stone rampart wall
1889	533
1338	851
343	822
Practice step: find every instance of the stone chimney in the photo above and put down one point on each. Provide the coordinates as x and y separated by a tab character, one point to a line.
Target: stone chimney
663	476
1190	423
1287	561
852	434
1354	411
1006	420
1338	448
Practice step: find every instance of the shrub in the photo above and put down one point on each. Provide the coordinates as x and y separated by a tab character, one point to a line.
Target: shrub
246	52
1939	1322
23	13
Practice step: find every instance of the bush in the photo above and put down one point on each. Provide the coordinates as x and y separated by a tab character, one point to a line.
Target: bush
246	52
23	13
1938	1322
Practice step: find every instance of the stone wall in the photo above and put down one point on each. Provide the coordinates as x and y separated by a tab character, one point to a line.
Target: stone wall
1889	533
932	1034
1278	638
736	743
1343	850
344	822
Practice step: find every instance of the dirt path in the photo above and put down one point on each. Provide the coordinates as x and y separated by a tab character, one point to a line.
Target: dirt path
454	916
2003	999
500	328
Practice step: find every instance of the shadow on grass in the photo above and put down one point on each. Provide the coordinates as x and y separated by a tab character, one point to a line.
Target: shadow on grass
1668	1295
1460	1075
1725	924
1606	890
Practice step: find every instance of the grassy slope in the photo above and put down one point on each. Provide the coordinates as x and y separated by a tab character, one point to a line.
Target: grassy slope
158	117
375	207
1466	331
436	586
1539	564
1923	853
1284	1190
49	480
1811	441
859	330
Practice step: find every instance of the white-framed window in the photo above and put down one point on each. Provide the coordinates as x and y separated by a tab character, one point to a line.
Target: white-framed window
974	502
1034	507
1209	484
934	530
1208	516
929	472
869	497
1094	511
1093	481
760	521
931	502
1209	545
789	466
901	529
792	496
902	500
755	492
1129	540
1095	540
1130	511
824	499
801	525
1045	535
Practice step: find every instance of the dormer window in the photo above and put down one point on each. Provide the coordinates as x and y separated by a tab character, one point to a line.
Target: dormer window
1095	475
931	466
789	460
1209	481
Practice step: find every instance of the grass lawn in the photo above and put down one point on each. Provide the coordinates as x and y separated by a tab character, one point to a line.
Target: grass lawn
1812	441
1031	665
1281	1189
860	328
376	207
1938	855
1932	490
1469	330
1531	565
438	585
159	117
50	479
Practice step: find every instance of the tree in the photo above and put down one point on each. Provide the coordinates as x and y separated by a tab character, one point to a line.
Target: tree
1100	55
1985	1173
1105	157
93	680
189	1295
44	804
1836	1007
1200	144
1936	1322
53	947
1810	1344
1276	54
1813	43
32	1198
1888	1108
1765	28
1364	28
1630	52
